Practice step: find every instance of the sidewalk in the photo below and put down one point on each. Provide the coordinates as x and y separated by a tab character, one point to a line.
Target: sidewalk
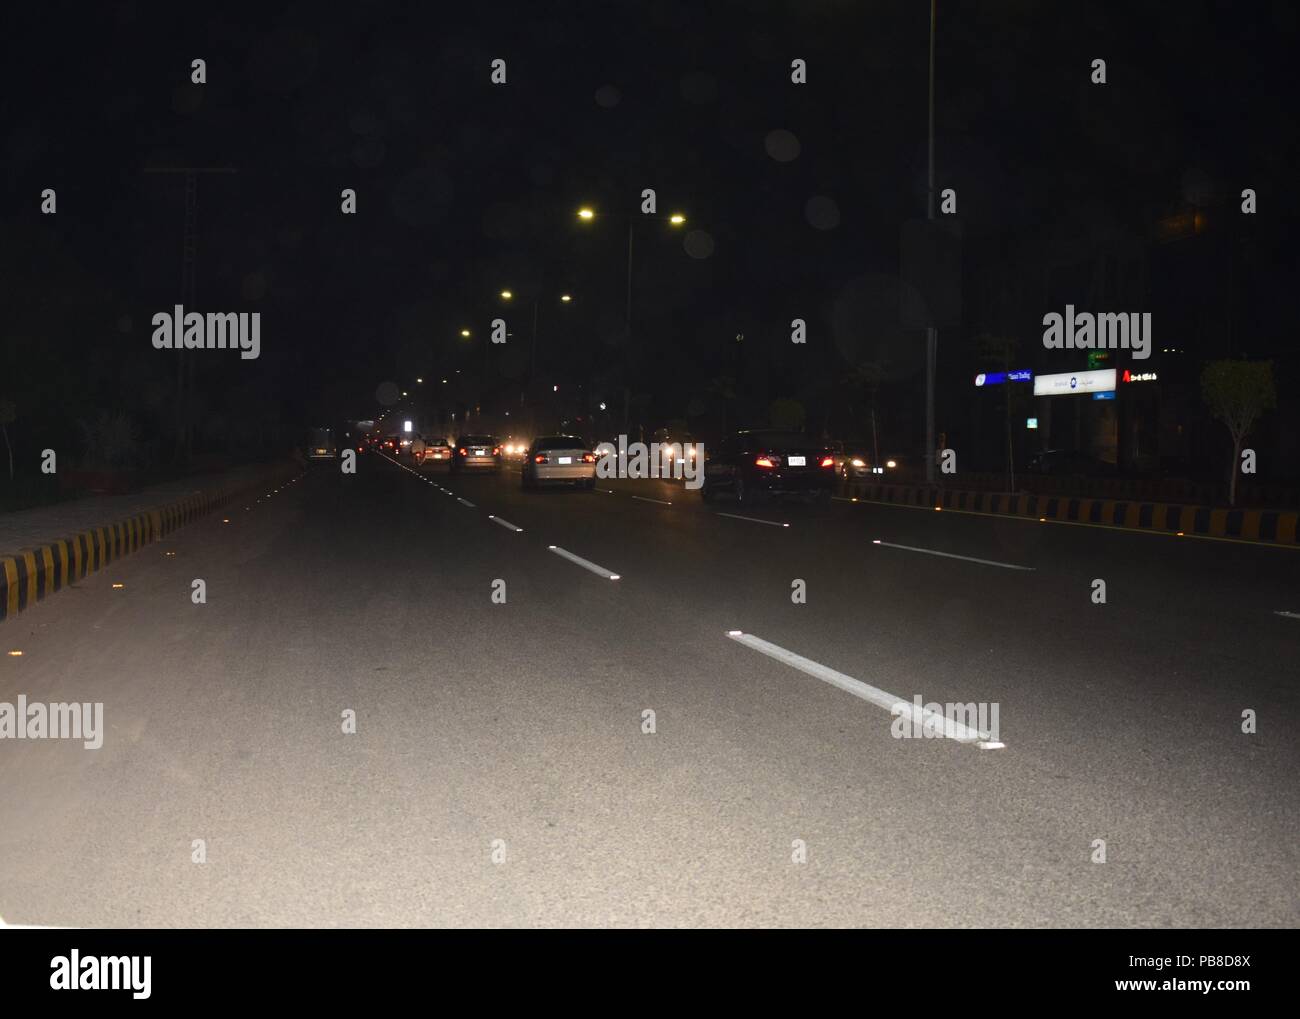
42	550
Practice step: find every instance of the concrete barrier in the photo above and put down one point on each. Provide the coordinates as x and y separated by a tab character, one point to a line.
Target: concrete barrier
1268	526
35	573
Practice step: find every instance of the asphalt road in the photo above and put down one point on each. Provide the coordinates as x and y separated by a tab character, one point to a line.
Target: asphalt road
523	722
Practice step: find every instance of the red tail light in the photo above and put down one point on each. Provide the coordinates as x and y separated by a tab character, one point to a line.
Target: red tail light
589	458
764	461
540	458
496	450
828	461
461	451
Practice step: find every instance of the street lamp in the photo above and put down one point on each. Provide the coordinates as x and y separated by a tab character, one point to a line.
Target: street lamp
586	213
464	332
507	295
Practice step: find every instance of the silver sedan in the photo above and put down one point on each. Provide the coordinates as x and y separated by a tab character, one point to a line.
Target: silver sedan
559	460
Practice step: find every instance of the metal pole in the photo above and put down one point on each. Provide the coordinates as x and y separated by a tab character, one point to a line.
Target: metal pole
536	300
628	359
185	365
931	334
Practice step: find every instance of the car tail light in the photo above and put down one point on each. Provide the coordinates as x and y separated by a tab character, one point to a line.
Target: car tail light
461	451
589	458
496	450
540	458
764	461
828	461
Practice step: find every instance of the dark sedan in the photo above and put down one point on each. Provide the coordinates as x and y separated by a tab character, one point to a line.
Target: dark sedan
759	463
476	452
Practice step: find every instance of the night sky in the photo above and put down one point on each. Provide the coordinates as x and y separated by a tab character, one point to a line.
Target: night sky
465	187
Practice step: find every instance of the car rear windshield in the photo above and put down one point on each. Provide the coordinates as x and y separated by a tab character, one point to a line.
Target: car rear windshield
476	440
559	442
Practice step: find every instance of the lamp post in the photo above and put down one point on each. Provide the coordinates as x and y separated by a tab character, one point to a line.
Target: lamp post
931	334
586	214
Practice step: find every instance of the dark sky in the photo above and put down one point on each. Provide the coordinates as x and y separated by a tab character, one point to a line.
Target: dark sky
465	187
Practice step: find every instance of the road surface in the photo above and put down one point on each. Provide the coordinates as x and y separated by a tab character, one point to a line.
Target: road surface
500	772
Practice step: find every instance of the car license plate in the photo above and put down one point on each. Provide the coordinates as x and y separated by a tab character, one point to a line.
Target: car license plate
479	452
798	461
566	459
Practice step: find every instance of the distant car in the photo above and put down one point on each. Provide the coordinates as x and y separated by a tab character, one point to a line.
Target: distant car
476	452
1069	463
759	463
320	444
855	461
436	451
514	448
560	460
680	443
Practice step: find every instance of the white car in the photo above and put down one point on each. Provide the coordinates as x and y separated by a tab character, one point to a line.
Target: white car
559	460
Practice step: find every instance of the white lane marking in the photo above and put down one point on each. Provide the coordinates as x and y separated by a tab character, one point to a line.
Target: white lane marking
465	502
607	491
586	564
770	523
647	499
1289	615
873	695
953	555
504	523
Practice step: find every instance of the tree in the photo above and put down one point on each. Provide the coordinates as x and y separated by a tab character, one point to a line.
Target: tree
1237	392
787	414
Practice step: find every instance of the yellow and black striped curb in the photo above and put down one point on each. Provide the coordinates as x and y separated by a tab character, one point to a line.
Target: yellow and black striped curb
34	573
1269	526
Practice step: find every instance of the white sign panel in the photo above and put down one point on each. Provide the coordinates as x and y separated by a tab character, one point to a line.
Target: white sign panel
1071	383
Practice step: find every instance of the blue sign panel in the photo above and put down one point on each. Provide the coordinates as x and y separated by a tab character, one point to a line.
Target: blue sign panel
997	378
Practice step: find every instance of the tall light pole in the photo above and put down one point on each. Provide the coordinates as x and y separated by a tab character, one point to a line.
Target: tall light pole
586	214
189	285
931	333
508	295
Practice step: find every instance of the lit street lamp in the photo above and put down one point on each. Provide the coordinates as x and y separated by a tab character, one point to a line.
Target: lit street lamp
675	219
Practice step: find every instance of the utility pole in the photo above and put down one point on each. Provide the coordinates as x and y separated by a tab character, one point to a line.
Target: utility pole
628	360
189	288
931	333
